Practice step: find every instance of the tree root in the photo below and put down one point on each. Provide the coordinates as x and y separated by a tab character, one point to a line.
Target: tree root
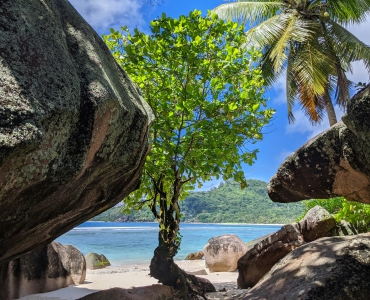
187	286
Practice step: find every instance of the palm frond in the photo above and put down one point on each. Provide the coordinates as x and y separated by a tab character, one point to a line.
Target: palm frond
347	46
312	69
311	104
268	32
267	67
348	11
342	96
298	30
291	86
251	12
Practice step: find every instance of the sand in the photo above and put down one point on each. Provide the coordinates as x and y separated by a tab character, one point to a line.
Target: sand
131	276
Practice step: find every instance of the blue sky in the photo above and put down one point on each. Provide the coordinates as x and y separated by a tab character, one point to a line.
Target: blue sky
281	138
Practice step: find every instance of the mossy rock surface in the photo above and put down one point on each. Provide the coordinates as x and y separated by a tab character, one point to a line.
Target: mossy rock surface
96	261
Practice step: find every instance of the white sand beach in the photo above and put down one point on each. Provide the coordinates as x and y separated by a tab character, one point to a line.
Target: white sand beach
128	277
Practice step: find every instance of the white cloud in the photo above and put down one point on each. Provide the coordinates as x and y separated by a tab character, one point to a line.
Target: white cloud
303	126
279	89
361	31
103	14
359	73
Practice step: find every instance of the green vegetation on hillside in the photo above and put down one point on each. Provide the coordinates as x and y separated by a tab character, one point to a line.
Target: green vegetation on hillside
225	204
356	213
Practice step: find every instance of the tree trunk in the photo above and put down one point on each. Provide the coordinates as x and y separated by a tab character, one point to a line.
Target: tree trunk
330	110
163	268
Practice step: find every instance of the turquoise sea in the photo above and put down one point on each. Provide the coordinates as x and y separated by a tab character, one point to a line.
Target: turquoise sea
134	243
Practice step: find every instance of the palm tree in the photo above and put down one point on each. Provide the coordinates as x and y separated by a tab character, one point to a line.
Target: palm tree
307	39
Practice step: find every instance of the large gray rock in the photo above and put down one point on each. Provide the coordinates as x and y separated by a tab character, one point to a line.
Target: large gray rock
73	129
328	268
265	253
254	264
49	268
222	253
317	223
96	261
334	163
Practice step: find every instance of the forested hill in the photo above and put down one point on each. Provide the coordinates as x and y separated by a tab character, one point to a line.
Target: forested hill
225	204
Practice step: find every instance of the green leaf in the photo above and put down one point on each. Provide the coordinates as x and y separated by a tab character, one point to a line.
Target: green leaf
232	106
255	107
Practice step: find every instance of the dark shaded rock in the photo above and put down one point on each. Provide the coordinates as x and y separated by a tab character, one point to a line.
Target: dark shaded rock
225	290
254	264
74	261
49	268
317	223
96	261
328	268
153	292
344	228
222	253
73	129
265	253
195	255
334	163
203	283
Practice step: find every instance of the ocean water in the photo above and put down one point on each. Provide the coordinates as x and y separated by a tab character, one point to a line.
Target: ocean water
134	243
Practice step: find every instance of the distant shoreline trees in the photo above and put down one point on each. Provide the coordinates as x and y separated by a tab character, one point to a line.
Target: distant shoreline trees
224	204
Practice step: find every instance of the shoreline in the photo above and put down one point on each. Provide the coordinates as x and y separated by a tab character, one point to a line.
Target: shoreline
185	222
131	276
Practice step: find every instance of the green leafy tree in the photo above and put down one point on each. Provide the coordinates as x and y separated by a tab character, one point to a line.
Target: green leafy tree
307	39
207	99
356	213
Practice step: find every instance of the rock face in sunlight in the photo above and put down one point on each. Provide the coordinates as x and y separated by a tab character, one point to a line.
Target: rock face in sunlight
49	268
328	268
317	223
334	163
73	129
222	253
265	253
254	264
